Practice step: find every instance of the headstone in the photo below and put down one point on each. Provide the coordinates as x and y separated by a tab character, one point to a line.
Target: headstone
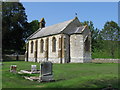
33	68
13	68
46	72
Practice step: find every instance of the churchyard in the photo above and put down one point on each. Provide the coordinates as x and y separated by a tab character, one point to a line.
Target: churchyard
84	75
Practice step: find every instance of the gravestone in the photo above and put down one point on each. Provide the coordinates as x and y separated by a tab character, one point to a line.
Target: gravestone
33	68
46	72
13	68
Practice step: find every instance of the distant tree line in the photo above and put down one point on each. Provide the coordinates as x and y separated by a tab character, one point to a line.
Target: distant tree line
105	42
16	28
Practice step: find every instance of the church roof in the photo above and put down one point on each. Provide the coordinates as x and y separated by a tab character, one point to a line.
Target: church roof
57	28
76	30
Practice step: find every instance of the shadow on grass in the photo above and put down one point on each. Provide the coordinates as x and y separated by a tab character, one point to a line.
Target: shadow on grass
103	84
59	80
53	81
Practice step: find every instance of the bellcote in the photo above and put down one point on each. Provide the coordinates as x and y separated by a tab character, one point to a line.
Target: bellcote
42	23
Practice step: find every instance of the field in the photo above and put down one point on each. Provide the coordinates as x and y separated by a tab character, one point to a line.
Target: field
87	75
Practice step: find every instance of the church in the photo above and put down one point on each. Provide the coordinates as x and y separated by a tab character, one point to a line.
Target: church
65	42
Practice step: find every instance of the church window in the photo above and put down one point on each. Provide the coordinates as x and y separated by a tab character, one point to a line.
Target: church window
41	45
32	44
54	44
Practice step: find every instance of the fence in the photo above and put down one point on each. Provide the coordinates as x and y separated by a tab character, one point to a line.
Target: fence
104	60
13	57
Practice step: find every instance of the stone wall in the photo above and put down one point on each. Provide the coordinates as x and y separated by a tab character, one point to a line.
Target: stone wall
31	55
87	57
48	54
66	49
12	57
76	48
53	55
72	26
104	60
87	35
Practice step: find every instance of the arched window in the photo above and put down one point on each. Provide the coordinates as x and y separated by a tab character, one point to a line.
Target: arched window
41	45
54	44
32	44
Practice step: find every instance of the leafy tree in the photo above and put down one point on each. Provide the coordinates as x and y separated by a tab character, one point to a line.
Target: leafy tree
110	34
32	27
110	31
96	39
14	20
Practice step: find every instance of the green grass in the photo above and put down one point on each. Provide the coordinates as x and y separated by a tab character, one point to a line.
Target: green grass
87	75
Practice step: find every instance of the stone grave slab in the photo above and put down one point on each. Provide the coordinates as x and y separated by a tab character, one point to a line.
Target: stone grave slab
46	72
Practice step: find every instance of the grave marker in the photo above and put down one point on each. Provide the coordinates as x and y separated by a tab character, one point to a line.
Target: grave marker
33	68
46	72
13	68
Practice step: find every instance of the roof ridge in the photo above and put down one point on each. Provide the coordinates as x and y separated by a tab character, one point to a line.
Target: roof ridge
59	23
51	26
69	24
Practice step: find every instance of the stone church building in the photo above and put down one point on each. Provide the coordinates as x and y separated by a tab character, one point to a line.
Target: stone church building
66	42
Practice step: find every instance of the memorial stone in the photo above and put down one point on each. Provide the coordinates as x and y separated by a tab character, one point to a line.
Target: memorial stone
46	72
33	68
13	68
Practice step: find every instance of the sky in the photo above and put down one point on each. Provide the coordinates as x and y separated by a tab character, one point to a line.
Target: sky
55	12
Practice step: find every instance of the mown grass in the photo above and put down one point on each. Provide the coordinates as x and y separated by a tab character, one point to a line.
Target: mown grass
87	75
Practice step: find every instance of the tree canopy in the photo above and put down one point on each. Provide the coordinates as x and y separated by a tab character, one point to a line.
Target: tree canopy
96	39
14	20
31	27
105	42
110	35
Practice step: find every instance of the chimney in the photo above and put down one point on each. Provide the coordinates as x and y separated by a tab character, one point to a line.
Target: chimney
42	23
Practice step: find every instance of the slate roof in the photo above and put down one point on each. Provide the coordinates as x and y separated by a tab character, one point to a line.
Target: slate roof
55	29
77	30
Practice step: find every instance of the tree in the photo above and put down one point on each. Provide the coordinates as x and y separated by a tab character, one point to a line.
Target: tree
14	20
32	27
96	39
110	34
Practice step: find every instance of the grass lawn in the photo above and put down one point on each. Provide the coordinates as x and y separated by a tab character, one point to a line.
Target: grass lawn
87	75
